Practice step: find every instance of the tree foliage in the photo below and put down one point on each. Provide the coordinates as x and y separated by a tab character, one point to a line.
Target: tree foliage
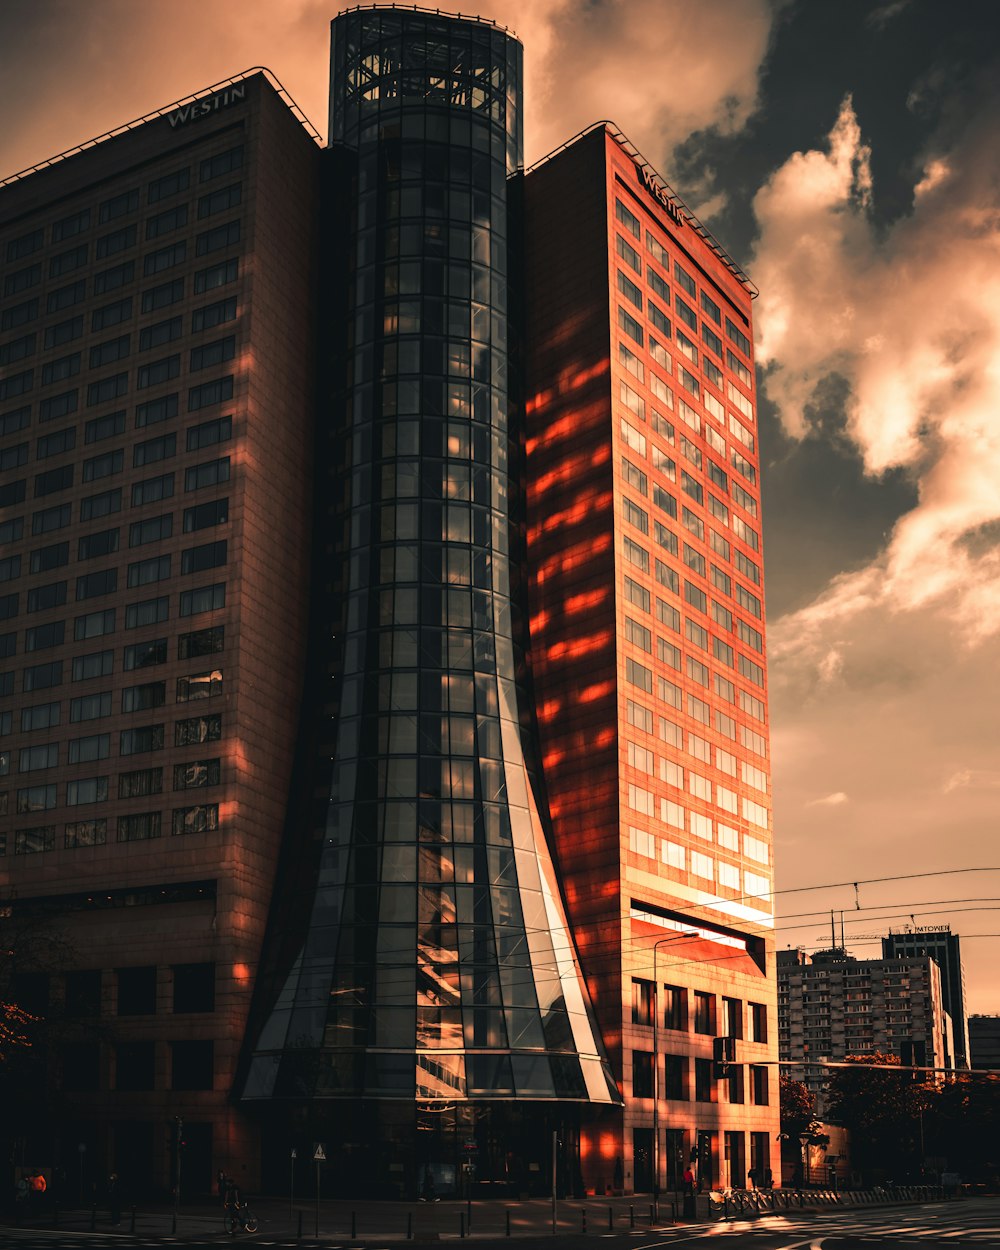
883	1111
798	1107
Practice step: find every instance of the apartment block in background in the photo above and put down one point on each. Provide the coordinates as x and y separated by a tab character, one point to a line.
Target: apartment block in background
833	1005
945	948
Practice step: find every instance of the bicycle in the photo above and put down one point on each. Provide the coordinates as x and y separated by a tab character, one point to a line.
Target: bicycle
239	1216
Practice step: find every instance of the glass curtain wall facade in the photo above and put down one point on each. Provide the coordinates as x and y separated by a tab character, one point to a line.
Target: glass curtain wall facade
438	974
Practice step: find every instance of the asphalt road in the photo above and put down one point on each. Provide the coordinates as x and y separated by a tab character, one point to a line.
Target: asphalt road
934	1225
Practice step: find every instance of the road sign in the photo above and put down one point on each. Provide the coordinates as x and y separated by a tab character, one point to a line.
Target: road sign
295	1153
319	1154
470	1147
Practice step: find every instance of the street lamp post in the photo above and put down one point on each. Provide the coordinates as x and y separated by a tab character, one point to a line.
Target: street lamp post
656	1067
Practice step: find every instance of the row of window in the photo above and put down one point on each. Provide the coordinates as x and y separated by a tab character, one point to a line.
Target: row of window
116	311
149	451
108	316
137	655
202	818
191	1066
107	390
219	238
642	718
131	741
137	615
191	988
134	698
714	873
124	204
105	581
676	1083
698	1010
684	280
190	775
111	351
146	491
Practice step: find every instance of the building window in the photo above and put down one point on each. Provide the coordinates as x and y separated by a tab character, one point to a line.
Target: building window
205	515
198	729
200	685
201	642
704	1012
194	987
704	1081
142	698
86	790
204	599
191	1065
145	654
200	819
675	1077
140	783
140	741
134	1065
758	1022
642	1001
196	773
674	1007
211	473
139	828
758	1084
642	1074
87	749
149	612
735	1082
732	1018
83	994
80	833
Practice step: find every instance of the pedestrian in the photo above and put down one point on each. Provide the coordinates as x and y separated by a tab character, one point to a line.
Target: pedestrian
220	1181
114	1199
688	1180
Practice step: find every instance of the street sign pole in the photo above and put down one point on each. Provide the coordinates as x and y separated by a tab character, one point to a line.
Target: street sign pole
319	1155
291	1186
555	1143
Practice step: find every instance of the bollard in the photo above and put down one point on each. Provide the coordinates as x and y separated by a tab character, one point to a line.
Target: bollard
131	1223
354	1225
93	1218
461	1223
631	1217
298	1235
652	1215
173	1224
611	1220
508	1221
409	1226
583	1221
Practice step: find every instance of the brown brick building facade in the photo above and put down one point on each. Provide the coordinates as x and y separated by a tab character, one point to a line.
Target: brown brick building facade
157	446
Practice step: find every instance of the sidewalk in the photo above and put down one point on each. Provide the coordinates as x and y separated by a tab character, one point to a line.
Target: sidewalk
358	1222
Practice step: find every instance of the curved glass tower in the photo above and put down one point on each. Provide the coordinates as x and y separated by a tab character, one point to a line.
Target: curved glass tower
437	970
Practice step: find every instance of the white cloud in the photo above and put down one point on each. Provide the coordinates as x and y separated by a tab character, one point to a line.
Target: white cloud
881	688
829	800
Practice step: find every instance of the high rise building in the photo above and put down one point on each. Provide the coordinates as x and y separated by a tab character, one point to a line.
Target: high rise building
479	851
984	1040
156	410
644	562
833	1005
945	948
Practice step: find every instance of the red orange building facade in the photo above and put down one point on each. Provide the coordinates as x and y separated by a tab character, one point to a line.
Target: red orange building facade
644	558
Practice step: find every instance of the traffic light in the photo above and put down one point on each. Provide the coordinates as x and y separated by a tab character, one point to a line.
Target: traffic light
723	1054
